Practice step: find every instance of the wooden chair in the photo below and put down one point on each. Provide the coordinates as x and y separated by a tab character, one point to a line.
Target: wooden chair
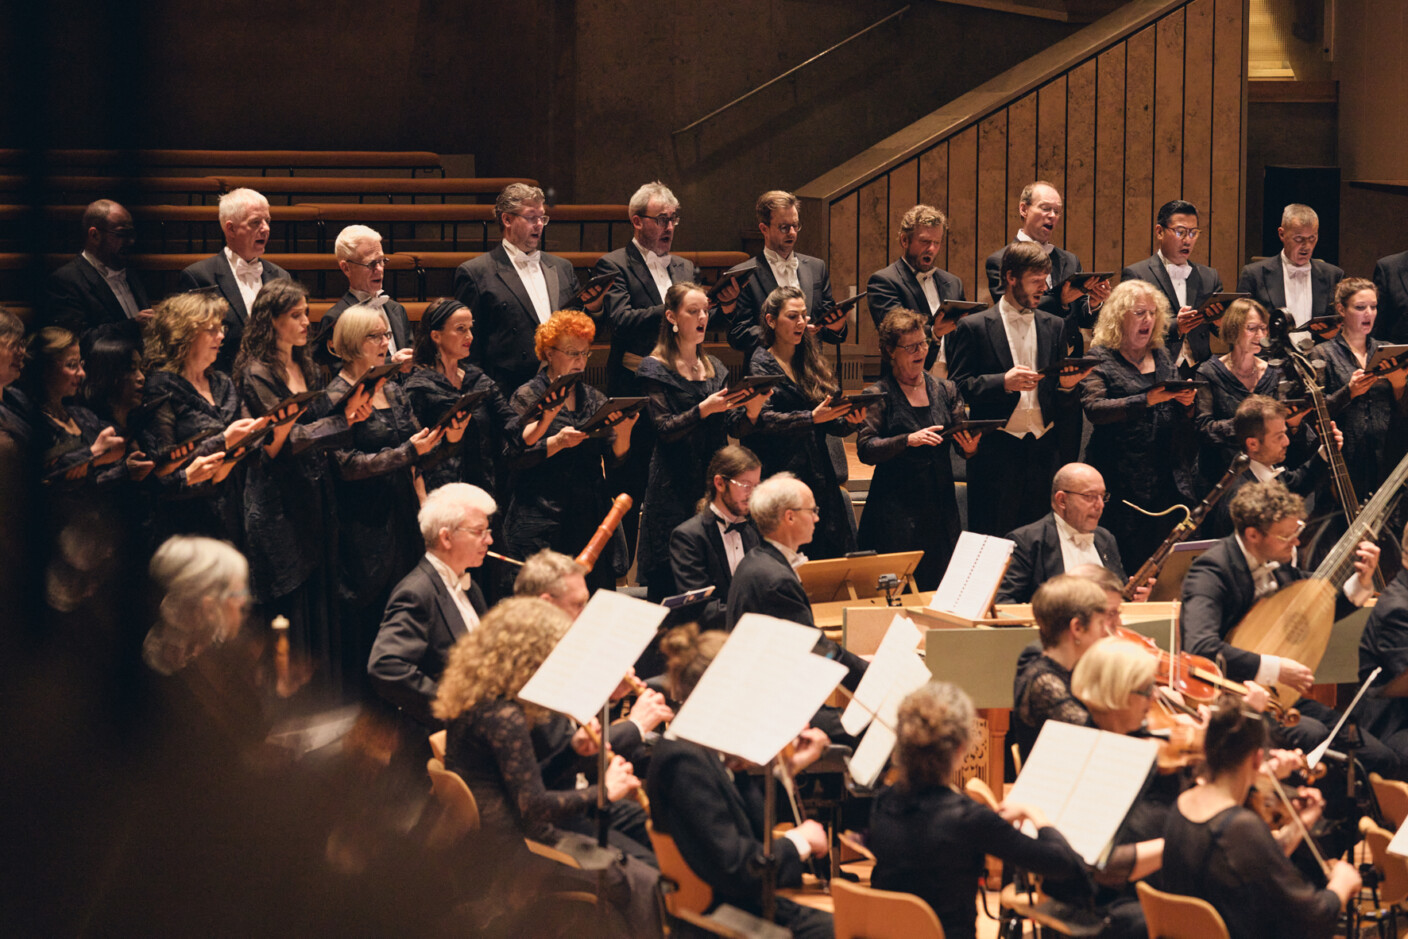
1393	798
867	913
437	744
1393	876
981	793
690	893
460	813
1170	916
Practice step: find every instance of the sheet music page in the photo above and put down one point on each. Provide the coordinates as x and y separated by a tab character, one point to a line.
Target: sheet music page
590	661
868	762
1112	779
760	692
1053	768
973	575
885	670
1397	846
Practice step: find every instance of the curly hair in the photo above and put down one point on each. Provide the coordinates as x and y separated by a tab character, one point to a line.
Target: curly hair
813	373
1110	671
497	659
258	344
896	323
1109	328
934	726
572	323
688	653
177	322
667	345
1261	505
1234	319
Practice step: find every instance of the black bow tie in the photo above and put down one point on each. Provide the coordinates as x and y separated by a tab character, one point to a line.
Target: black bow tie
735	526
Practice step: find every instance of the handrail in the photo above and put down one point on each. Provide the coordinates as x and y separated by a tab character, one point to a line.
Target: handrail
987	98
796	68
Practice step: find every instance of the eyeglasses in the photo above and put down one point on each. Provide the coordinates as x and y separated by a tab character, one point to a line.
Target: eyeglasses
571	353
1102	496
478	533
123	233
808	508
379	337
531	219
216	329
914	347
1287	539
742	486
665	221
785	227
373	264
1186	234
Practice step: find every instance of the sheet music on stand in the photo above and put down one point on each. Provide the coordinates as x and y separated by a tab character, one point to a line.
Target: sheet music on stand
973	576
895	671
1318	754
591	659
1398	845
1085	780
759	692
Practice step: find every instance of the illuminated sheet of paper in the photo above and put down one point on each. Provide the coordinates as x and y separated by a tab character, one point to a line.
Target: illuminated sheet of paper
874	749
973	575
1399	844
887	668
590	661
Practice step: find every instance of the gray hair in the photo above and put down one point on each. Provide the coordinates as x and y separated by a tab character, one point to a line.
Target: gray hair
1298	214
657	191
189	570
237	203
545	572
446	507
350	237
773	496
353	327
513	197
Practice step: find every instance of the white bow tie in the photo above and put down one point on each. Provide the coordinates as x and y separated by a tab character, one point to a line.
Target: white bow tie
528	262
1083	540
248	270
1299	272
799	560
924	276
657	262
1266	567
776	260
1180	272
377	302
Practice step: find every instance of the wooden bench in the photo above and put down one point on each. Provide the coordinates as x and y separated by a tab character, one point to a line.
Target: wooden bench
615	218
262	160
125	189
364	186
197	225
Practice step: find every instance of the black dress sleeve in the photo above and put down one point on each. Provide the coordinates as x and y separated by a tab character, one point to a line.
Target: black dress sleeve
505	730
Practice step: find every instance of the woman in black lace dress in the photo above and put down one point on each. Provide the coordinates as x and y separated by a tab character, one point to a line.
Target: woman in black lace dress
1231	378
688	404
489	744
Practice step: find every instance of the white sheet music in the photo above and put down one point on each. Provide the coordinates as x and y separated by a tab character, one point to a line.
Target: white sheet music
590	661
896	666
973	575
759	692
874	749
1399	843
1085	780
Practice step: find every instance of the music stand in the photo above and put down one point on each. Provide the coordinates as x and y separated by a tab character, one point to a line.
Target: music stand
858	577
1169	585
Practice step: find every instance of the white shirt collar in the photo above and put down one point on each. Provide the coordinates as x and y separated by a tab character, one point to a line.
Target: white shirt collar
1286	263
1167	263
723	514
1253	564
1023	236
447	574
648	254
1011	312
773	258
103	270
793	558
1263	472
517	256
1068	531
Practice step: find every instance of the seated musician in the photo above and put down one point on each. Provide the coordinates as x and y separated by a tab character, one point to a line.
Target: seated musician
1384	644
1255	561
766	579
552	576
929	839
489	744
1068	536
713	808
1223	853
707	549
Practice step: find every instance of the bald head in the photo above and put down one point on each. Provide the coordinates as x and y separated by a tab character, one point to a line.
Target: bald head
107	233
1078	496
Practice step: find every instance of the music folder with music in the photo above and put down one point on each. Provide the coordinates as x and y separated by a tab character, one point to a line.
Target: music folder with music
895	670
970	583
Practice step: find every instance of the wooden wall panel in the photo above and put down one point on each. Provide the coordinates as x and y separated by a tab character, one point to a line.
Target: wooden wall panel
1197	121
904	195
872	225
1168	109
1051	140
843	260
994	227
933	188
1021	151
1079	196
1138	148
1225	216
963	257
1109	161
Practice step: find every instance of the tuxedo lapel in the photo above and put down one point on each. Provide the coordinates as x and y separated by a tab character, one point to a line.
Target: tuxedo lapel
910	282
997	338
509	275
807	277
225	280
1055	560
1274	282
635	264
681	270
765	279
1320	288
722	577
554	284
446	604
1165	282
98	287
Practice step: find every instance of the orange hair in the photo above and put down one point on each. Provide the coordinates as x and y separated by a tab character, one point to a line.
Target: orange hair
572	323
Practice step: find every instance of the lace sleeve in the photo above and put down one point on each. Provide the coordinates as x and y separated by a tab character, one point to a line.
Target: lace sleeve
1050	698
505	729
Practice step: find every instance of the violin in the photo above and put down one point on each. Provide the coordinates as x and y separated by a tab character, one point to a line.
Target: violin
1181	743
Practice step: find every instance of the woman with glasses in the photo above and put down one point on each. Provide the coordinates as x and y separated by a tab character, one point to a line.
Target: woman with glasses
559	494
790	432
377	485
1141	427
911	505
689	401
14	405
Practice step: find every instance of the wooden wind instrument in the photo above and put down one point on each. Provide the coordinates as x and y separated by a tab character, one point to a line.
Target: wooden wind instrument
597	741
282	684
619	507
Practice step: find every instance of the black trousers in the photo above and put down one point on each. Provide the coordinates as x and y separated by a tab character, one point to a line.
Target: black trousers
1009	481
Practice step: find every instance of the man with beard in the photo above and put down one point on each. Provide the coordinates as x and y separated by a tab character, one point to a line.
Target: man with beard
915	282
98	287
705	550
1185	283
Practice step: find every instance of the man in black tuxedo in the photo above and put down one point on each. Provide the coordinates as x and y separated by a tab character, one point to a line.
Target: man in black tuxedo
552	576
1384	644
779	265
1185	283
1062	540
996	358
1258	559
515	288
1391	277
1293	280
1040	209
915	282
98	286
707	549
363	263
431	608
237	270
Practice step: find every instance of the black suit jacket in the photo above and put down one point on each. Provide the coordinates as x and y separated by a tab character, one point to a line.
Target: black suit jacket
697	559
395	315
78	298
979	357
420	626
1063	265
1265	280
1391	277
504	319
1037	558
215	271
745	334
1304	480
634	306
897	286
1202	283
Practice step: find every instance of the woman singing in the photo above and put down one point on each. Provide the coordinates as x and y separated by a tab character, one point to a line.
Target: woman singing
1231	378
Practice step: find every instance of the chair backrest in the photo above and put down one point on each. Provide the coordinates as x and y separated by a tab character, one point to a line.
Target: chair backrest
690	894
867	913
461	813
437	744
1392	868
1393	798
1170	916
980	792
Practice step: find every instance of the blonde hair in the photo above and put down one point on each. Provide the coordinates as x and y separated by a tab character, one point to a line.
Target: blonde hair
176	323
688	653
1110	671
353	327
934	727
497	659
1109	328
545	572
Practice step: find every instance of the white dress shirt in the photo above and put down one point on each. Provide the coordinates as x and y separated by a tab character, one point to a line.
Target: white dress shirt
784	269
117	283
795	558
1077	548
1297	281
1178	274
733	541
1047	247
530	271
1021	338
931	296
377	301
658	265
249	276
1262	472
457	586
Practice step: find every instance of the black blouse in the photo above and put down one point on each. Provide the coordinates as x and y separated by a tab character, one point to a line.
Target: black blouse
479	458
1364	420
1042	692
209	508
1213	410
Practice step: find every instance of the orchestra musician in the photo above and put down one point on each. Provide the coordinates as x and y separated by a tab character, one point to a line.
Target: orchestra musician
1384	644
706	549
1294	280
556	578
916	282
929	838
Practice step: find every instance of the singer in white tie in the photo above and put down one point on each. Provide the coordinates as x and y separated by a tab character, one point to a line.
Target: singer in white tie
916	281
363	262
1293	280
239	270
